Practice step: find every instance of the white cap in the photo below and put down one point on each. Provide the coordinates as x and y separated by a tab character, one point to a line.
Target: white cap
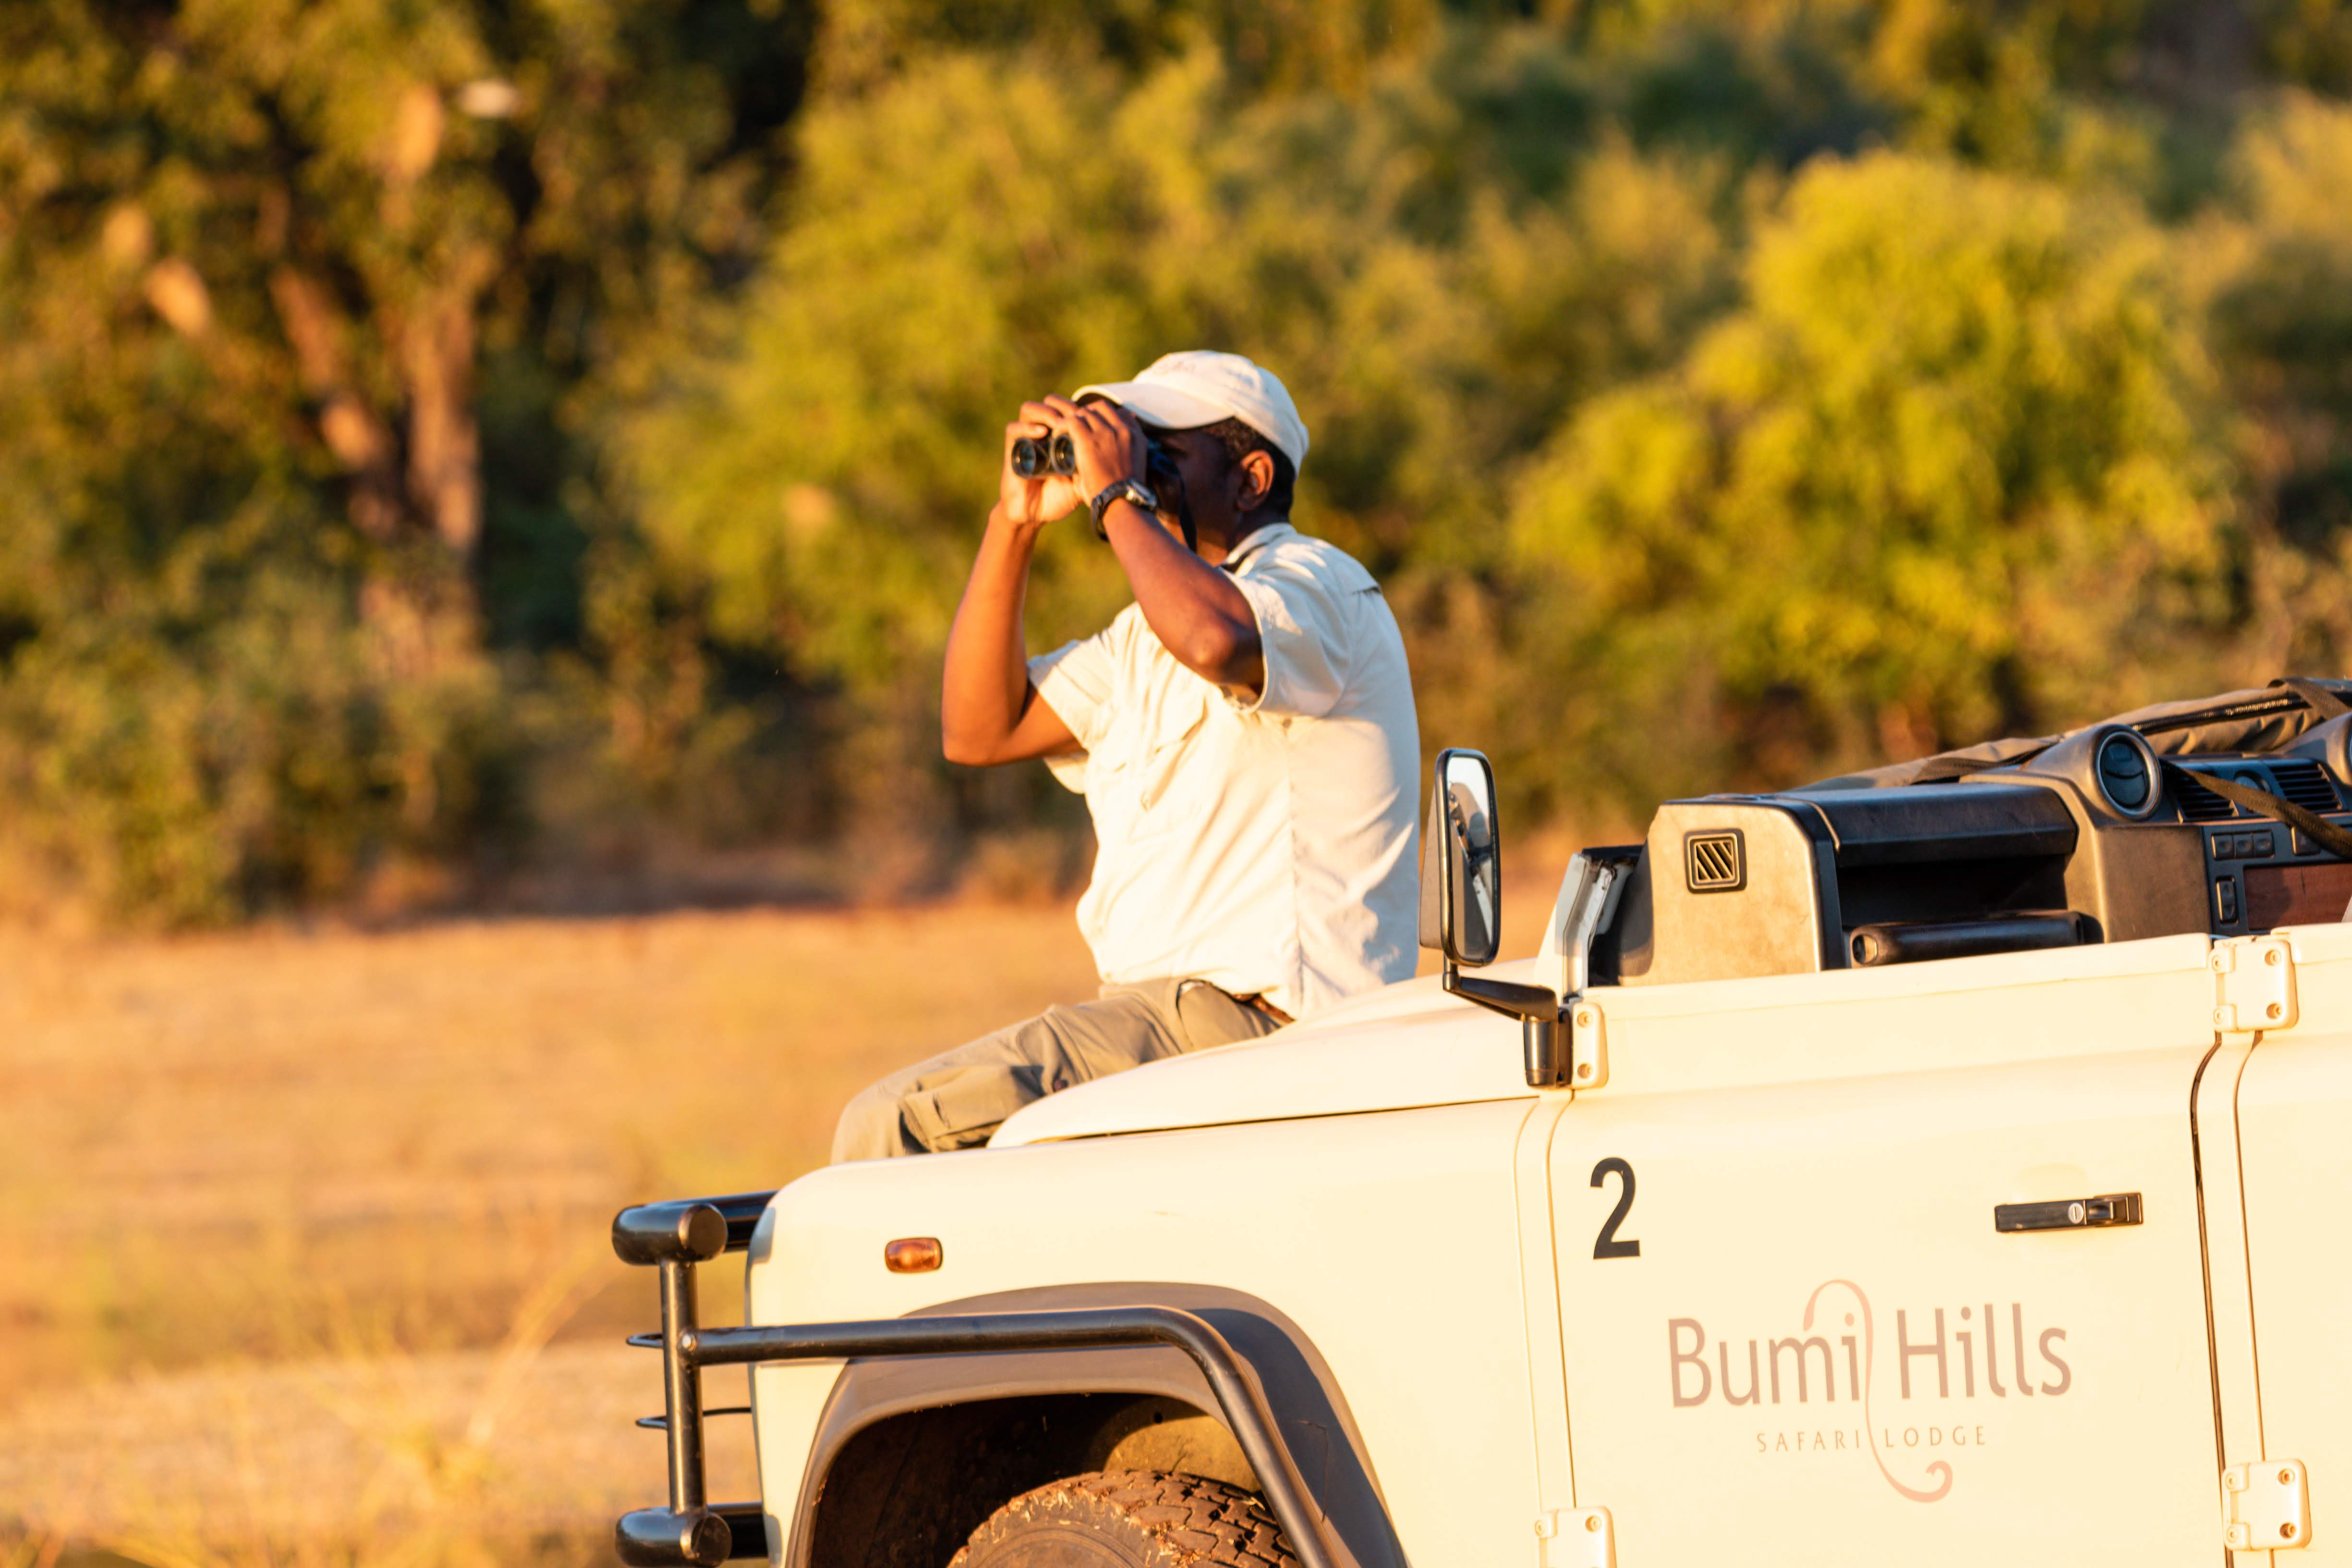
1199	386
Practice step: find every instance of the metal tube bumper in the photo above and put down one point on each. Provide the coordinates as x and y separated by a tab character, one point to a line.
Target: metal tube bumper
689	1532
701	1535
694	1231
674	1237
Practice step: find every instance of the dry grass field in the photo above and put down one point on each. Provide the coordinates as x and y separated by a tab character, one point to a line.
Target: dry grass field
304	1233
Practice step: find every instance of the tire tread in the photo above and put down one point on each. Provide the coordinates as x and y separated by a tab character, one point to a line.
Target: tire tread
1190	1522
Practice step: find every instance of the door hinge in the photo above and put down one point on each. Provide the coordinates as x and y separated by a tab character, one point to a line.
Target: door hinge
1577	1538
1588	1044
2268	1506
2254	985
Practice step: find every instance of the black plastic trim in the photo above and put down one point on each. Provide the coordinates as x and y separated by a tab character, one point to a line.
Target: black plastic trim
1238	1399
1311	1411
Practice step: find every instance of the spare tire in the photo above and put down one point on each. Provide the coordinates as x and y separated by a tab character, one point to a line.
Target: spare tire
1129	1518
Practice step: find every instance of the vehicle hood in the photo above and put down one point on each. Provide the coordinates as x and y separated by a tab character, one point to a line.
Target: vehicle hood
1407	1045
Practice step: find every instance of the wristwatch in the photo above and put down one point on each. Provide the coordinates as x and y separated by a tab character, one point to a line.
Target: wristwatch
1134	490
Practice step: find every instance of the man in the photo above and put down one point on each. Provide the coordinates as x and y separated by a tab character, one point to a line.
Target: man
1243	734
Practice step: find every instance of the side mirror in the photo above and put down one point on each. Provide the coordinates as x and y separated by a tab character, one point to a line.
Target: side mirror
1462	909
1461	862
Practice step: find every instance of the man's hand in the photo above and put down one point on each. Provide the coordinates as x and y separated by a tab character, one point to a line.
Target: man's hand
1110	448
1031	503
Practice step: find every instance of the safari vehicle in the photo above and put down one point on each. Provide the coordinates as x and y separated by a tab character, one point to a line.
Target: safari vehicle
1946	1166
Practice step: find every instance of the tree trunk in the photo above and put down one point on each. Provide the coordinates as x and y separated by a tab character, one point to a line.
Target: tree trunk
443	438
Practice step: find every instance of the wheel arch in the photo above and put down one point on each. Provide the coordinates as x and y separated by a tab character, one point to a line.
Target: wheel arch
892	1469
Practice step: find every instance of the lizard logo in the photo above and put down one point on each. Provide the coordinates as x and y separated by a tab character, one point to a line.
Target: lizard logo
1941	1472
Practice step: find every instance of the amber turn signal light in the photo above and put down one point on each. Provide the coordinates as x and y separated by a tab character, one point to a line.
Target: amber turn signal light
912	1254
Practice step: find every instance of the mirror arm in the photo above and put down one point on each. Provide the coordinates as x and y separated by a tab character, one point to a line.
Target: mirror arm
1538	1003
1543	1028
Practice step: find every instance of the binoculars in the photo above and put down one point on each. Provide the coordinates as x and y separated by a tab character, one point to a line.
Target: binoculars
1057	455
1034	460
1037	458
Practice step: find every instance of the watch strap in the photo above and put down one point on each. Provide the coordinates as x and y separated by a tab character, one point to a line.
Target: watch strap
1125	489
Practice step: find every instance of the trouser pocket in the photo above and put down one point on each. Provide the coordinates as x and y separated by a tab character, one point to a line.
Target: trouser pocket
1206	1016
962	1106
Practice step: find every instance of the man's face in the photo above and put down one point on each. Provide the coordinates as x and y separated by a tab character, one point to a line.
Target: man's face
1213	486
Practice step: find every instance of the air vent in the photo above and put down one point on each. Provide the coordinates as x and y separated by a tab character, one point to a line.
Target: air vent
2305	784
1715	862
2199	803
2126	774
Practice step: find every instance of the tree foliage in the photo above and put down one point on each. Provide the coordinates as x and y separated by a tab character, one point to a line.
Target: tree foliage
455	433
274	277
1951	467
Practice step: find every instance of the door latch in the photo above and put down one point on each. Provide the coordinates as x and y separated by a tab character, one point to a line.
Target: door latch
1577	1538
2069	1213
2268	1504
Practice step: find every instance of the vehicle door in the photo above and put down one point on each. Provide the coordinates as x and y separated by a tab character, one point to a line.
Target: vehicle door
1792	1333
2273	1120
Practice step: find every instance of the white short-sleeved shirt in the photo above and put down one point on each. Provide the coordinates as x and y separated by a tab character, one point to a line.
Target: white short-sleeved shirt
1264	846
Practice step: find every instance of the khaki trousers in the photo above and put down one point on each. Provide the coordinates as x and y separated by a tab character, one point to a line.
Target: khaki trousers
957	1100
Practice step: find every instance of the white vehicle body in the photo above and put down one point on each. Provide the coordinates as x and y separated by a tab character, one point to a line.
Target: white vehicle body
1740	1297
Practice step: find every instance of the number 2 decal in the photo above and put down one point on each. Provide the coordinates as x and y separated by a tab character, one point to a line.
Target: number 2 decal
1608	1245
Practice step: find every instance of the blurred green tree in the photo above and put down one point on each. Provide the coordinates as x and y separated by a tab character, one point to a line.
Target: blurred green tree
1953	470
263	267
1290	44
2274	263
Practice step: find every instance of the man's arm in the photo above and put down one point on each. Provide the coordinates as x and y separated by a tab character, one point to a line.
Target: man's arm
1192	607
988	711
